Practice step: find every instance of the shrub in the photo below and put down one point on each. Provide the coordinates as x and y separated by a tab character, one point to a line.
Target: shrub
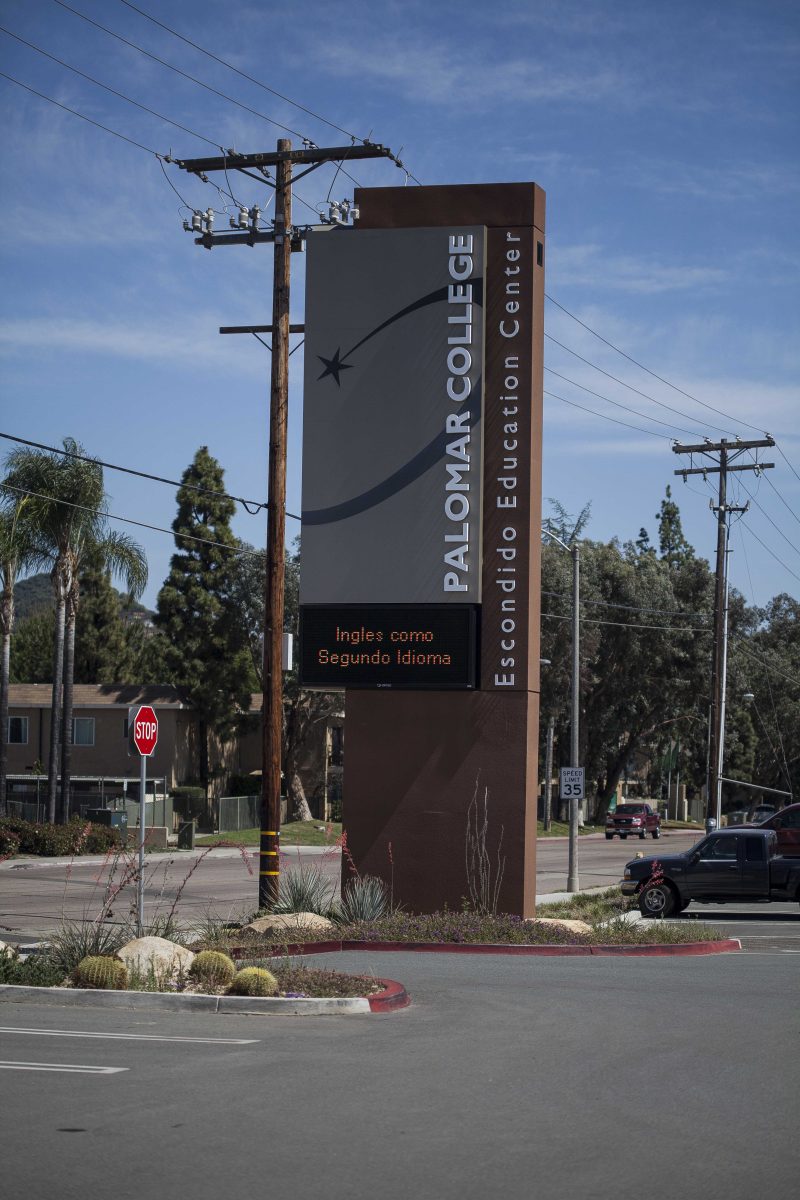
76	837
38	970
9	842
212	969
254	981
101	971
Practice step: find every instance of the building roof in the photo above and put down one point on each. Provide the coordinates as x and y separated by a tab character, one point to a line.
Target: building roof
99	695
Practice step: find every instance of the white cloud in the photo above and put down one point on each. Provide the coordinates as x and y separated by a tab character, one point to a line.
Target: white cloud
185	343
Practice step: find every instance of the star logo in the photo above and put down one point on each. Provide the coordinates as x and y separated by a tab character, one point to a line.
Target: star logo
334	366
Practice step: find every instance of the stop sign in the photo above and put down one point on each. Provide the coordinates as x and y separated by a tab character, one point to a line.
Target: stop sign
143	729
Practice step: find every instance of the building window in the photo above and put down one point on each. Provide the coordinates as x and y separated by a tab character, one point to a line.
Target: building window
83	731
17	731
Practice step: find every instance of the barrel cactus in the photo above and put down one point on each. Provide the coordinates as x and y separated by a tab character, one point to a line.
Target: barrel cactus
103	972
212	969
254	981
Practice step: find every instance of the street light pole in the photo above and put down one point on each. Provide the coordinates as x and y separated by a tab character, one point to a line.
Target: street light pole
573	884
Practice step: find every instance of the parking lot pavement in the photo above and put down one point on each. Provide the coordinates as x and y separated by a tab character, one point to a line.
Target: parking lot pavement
507	1077
761	928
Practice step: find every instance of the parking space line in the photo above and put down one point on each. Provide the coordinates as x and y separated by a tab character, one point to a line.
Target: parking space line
69	1068
128	1037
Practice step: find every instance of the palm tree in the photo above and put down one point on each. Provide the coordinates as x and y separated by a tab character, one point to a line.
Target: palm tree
16	556
66	513
115	554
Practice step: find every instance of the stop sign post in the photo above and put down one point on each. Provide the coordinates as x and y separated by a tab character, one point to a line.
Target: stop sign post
142	740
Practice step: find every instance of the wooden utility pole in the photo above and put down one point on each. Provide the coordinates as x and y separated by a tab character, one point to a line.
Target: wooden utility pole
728	452
285	239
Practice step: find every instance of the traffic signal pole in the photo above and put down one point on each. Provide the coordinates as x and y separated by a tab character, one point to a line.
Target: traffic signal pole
282	237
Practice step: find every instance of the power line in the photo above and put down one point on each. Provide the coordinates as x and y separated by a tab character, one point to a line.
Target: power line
785	459
106	88
622	382
772	552
75	113
127	520
177	70
618	404
778	494
629	624
769	518
671	612
264	86
257	504
605	417
642	367
793	679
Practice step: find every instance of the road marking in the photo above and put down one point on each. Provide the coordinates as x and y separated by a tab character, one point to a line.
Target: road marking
128	1037
69	1068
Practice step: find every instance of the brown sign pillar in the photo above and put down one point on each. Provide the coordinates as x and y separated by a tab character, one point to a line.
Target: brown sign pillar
415	759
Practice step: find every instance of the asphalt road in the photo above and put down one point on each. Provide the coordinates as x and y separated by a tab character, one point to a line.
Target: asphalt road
604	1079
36	894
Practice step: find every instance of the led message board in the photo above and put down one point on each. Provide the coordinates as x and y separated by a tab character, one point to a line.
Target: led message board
388	646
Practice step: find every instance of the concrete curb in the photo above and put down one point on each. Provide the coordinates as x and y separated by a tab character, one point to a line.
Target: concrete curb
393	997
298	949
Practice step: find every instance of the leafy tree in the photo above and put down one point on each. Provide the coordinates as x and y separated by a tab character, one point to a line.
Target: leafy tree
16	554
206	652
303	710
643	669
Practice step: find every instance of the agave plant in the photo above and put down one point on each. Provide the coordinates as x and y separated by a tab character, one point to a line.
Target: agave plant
75	940
364	898
307	890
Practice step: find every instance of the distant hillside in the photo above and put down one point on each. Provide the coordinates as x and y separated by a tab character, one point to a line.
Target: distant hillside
32	594
36	592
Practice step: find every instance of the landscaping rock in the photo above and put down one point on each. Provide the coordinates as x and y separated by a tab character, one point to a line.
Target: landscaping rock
7	951
287	922
562	923
167	959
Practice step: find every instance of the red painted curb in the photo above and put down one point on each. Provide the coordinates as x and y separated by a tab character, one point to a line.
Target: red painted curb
393	996
298	949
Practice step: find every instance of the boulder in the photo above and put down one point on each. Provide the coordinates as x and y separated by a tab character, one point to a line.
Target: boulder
167	959
289	922
7	951
563	923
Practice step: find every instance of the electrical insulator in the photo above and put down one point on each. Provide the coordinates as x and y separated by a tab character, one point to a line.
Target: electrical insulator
355	212
187	227
209	214
334	213
197	222
255	213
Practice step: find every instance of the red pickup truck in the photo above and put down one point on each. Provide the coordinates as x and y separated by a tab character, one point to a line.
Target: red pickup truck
633	818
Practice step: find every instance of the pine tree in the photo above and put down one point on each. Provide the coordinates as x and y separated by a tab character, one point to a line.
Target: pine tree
102	652
206	654
675	549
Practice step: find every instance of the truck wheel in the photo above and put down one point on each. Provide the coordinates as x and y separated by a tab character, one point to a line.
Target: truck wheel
642	835
609	837
623	836
657	900
656	833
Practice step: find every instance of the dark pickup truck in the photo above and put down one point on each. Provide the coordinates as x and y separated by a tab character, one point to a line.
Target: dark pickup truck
729	865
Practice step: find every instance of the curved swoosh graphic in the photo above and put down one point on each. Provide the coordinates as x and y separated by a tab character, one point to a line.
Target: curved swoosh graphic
339	361
400	479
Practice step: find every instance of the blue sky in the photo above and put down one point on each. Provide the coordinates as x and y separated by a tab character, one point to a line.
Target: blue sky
665	137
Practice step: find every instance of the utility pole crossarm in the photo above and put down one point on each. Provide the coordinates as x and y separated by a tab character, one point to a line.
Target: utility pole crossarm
312	154
716	470
711	447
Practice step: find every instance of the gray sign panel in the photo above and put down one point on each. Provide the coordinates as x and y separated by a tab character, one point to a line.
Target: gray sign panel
392	427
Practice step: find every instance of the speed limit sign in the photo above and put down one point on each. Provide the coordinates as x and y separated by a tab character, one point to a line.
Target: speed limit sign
572	783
